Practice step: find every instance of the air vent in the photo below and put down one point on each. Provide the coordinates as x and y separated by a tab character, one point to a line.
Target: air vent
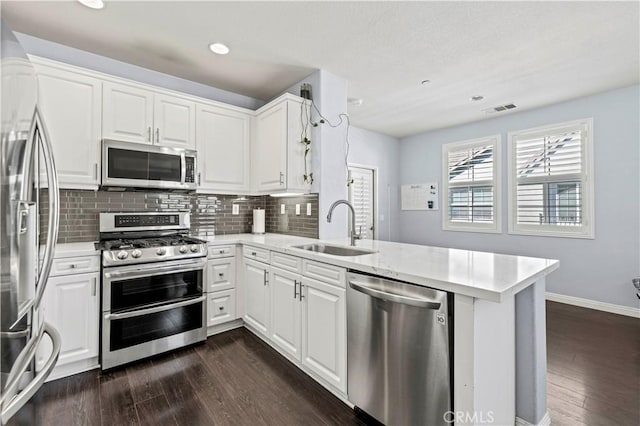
500	108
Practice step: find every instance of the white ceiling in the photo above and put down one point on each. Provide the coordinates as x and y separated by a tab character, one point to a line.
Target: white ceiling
529	53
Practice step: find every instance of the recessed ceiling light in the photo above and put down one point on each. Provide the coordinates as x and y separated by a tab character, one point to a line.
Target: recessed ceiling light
477	98
93	4
219	48
425	81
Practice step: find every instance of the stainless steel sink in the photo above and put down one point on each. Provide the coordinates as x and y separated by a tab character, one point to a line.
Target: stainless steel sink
334	250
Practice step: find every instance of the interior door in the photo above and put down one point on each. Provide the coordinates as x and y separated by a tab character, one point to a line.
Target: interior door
362	197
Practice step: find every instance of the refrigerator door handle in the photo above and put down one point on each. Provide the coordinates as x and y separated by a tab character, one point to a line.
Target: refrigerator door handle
12	402
38	129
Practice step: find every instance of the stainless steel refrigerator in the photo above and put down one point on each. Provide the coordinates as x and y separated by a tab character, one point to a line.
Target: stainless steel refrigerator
27	170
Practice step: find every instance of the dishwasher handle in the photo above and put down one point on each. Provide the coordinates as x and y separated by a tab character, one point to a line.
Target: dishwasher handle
424	303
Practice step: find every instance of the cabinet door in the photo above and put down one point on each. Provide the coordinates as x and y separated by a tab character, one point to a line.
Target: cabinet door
223	140
256	279
285	311
271	148
71	305
221	307
127	113
175	122
71	109
324	331
221	274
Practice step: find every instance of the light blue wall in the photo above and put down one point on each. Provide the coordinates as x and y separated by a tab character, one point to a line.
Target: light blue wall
373	149
59	52
600	269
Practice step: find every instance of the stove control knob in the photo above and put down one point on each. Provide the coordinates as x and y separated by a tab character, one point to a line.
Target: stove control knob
122	255
136	253
161	251
183	249
194	248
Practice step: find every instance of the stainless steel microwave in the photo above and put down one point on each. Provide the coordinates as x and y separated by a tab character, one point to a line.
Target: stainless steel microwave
136	165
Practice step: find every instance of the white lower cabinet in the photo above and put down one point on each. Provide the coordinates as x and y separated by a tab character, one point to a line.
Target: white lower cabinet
308	317
324	337
221	307
257	306
71	305
285	311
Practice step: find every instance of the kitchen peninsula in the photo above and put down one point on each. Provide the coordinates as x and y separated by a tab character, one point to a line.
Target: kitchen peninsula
499	320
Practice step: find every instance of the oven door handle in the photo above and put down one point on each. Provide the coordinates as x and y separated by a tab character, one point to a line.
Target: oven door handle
156	309
155	270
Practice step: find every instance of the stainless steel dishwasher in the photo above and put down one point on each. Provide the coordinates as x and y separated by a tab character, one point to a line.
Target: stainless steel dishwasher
399	350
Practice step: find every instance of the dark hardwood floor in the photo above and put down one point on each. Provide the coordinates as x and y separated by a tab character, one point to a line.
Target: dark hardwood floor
593	367
232	379
235	379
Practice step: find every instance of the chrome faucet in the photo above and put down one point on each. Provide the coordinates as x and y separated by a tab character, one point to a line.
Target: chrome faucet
354	236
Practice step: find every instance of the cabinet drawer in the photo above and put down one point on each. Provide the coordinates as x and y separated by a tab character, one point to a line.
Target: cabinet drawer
323	272
220	251
221	274
286	262
256	253
75	265
221	307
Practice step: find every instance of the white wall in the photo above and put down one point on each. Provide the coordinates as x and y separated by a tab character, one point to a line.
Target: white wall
69	55
380	151
600	269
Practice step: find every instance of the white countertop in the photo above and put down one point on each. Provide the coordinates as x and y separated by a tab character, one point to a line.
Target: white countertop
74	249
478	274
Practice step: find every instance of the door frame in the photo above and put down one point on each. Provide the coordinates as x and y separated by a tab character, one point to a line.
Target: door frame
374	169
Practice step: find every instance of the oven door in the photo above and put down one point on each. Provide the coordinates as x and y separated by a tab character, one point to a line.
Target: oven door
153	308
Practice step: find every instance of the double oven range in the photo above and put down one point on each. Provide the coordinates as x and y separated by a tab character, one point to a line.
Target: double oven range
153	297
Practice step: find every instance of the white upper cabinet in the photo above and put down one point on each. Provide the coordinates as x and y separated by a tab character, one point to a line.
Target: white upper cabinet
135	114
71	108
278	151
127	113
175	121
223	138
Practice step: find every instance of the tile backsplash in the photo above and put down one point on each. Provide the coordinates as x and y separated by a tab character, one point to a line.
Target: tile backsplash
210	214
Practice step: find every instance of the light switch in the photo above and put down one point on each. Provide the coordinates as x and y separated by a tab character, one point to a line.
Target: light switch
235	209
281	208
308	209
297	209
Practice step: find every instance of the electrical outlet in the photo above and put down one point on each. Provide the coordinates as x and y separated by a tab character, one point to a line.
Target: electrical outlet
235	209
308	209
282	211
297	209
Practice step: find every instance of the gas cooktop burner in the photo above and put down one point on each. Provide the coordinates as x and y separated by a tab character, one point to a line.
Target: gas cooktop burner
175	240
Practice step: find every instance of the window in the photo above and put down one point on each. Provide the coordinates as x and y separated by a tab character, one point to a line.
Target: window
471	191
550	179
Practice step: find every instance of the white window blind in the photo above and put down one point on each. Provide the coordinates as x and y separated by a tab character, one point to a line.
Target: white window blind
361	196
550	180
470	185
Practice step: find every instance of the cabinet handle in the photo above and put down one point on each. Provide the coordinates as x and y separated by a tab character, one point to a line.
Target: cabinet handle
253	253
149	134
221	274
221	308
157	134
266	277
295	289
95	170
199	180
93	287
301	295
281	178
73	266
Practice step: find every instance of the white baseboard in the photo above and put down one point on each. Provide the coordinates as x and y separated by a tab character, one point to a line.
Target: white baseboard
593	304
546	421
